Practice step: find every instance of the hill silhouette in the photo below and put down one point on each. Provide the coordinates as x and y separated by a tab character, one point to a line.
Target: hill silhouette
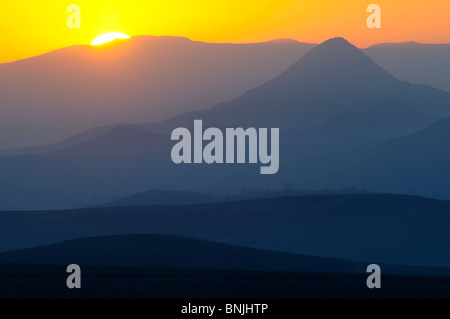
178	252
26	281
376	228
126	160
166	251
162	197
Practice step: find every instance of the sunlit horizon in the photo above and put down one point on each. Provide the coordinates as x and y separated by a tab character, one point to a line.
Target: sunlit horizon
37	27
108	37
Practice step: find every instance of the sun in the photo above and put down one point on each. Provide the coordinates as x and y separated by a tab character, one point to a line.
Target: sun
108	37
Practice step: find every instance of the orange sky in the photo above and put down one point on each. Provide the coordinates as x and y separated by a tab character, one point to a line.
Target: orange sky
30	28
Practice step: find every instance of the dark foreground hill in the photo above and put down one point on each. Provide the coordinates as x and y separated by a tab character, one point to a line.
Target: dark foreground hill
178	252
168	251
49	281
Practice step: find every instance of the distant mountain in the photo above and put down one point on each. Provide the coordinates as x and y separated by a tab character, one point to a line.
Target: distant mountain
434	132
115	137
333	78
162	197
412	164
144	79
124	140
394	119
375	228
63	144
127	160
339	113
110	164
149	79
415	62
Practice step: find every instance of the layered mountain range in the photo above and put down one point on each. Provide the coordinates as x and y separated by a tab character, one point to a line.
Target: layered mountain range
344	122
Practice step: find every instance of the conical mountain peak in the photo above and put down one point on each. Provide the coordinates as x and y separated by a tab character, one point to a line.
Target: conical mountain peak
337	41
338	61
333	78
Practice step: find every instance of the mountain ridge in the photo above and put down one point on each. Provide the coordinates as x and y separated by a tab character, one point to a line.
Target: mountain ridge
141	79
316	87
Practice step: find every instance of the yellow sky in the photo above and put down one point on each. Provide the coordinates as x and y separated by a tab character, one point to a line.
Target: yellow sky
29	28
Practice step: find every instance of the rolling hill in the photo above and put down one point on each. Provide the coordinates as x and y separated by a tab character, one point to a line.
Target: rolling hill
374	228
162	197
126	160
177	252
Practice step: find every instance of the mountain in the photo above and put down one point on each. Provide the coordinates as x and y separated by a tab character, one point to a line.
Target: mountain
111	164
143	79
339	115
418	159
62	144
333	78
375	228
125	140
162	197
149	79
394	119
415	62
411	164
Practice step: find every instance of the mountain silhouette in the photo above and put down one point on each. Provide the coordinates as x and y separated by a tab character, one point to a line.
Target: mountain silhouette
415	62
434	132
143	79
345	123
126	140
385	121
332	78
60	145
93	167
413	164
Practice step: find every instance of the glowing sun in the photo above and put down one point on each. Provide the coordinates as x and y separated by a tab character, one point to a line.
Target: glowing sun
108	37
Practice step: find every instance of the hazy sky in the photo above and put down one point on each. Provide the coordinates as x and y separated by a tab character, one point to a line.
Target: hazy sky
33	27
